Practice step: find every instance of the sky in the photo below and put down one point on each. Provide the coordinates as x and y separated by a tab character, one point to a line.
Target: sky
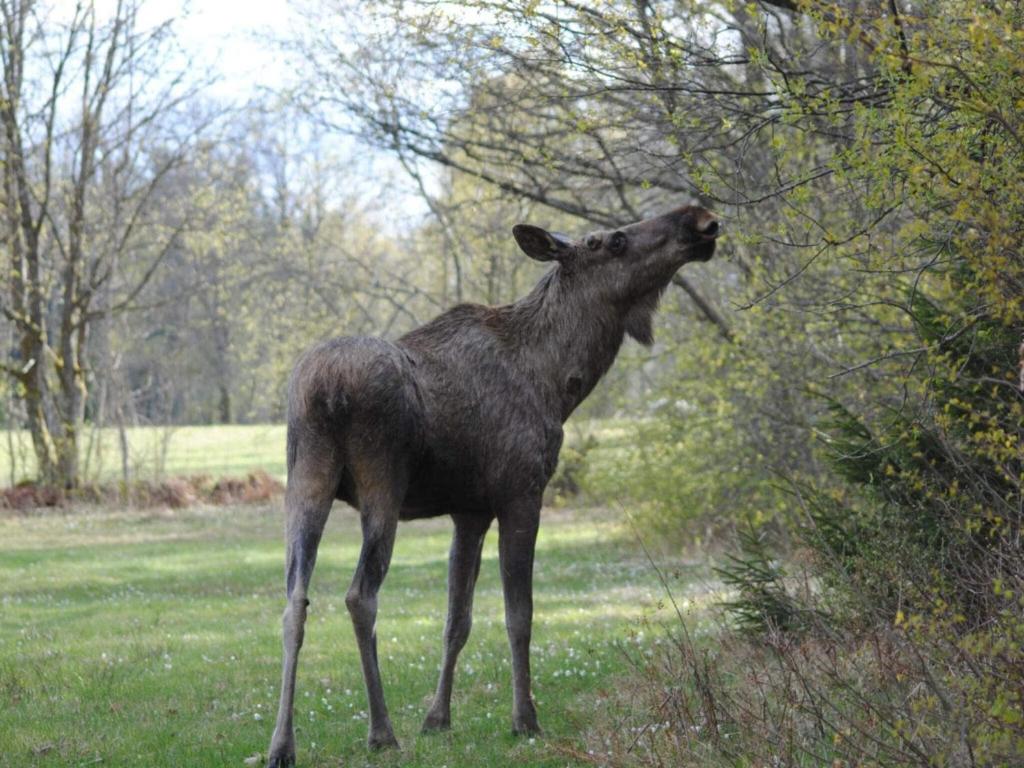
233	42
230	37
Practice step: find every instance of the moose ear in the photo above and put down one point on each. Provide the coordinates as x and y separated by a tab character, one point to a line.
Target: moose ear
540	244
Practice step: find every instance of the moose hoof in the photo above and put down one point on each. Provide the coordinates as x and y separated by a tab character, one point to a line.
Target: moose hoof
283	760
436	722
378	741
526	729
526	726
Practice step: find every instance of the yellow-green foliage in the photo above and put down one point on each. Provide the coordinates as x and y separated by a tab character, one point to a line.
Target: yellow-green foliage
699	464
878	329
927	536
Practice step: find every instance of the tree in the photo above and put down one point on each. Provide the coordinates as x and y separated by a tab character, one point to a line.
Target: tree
765	111
87	108
597	114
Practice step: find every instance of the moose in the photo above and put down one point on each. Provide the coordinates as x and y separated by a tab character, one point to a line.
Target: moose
463	416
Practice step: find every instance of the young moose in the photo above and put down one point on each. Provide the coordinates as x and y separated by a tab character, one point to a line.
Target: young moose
463	416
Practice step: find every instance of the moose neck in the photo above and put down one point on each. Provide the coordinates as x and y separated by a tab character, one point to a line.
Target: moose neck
568	338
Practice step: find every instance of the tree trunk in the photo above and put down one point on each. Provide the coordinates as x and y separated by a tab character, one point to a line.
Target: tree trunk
55	427
224	405
67	460
1021	353
39	416
122	441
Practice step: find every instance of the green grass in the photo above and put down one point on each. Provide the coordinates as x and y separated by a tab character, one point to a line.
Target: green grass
216	450
225	450
135	638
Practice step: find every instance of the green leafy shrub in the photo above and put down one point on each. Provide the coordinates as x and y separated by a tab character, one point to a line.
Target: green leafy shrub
572	471
694	470
765	603
908	651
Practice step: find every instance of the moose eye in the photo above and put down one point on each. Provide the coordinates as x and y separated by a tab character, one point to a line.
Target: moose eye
617	241
594	242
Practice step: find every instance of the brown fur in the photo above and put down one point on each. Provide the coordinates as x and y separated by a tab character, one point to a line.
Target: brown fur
463	416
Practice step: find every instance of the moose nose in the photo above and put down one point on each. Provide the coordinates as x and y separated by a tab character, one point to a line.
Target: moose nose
709	228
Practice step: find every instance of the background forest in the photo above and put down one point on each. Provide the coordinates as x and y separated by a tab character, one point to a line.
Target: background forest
833	403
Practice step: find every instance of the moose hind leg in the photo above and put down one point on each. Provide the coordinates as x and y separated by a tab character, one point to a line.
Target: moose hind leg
463	569
308	503
379	521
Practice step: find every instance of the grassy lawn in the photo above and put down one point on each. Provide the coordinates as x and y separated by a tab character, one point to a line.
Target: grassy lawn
218	450
223	449
142	638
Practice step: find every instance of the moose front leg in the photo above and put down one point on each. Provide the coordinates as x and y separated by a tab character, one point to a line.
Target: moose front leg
517	537
463	569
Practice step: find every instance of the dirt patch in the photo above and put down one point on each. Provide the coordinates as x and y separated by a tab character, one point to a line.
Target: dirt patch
174	492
